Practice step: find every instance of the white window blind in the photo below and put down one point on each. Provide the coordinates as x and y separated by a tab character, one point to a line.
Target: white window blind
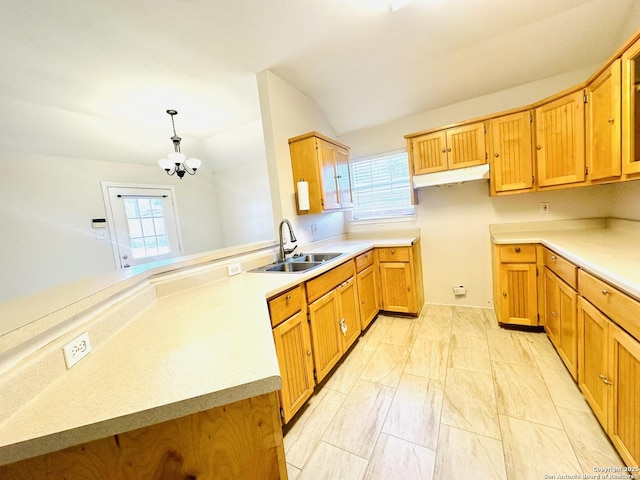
381	187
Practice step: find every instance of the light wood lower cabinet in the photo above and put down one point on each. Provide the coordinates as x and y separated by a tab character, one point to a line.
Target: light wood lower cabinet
560	311
293	349
515	284
609	363
368	291
239	440
401	279
334	318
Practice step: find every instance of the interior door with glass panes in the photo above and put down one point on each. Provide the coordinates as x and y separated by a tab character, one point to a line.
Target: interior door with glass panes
144	224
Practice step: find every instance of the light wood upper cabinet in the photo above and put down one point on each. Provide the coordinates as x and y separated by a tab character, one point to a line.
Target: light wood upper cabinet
324	164
560	140
510	152
631	109
603	128
457	147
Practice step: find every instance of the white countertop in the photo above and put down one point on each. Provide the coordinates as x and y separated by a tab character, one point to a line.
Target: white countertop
187	352
609	249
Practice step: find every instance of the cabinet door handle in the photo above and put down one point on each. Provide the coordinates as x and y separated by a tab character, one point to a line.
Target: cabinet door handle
554	314
610	120
444	150
605	379
497	155
309	353
504	294
606	292
538	147
449	149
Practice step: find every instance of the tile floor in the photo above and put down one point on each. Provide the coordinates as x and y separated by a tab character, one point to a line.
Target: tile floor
448	395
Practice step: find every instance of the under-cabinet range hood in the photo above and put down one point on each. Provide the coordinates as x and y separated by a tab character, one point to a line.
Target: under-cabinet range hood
448	177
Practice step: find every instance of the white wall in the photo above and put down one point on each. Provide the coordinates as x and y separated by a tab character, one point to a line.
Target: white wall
454	221
46	206
286	113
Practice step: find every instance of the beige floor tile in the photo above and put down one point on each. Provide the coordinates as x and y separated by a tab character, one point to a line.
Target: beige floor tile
589	441
292	471
436	328
359	420
396	458
532	451
470	403
439	310
375	334
428	358
343	377
510	347
403	331
468	321
386	364
301	438
540	345
469	353
490	319
332	463
415	412
521	393
463	455
563	389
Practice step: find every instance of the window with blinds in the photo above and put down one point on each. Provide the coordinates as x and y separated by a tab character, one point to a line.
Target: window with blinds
381	187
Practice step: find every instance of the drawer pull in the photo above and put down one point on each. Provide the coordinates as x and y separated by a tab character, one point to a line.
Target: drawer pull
606	292
553	257
393	251
517	249
288	297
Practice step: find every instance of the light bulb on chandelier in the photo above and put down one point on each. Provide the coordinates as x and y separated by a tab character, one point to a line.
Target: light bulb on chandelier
175	163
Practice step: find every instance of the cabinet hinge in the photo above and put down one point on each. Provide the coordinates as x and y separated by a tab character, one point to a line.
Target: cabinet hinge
536	271
586	170
530	118
533	179
315	375
585	98
485	128
486	156
281	413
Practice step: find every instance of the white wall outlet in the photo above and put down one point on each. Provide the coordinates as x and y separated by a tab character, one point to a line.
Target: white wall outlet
381	225
234	269
76	350
545	207
101	234
461	290
314	229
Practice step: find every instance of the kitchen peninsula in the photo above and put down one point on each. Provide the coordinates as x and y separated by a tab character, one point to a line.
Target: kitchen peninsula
194	357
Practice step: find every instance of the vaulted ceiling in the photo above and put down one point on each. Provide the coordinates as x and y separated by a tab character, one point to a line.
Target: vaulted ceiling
362	64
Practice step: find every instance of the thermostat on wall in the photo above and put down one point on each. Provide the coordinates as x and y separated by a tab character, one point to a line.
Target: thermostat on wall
99	223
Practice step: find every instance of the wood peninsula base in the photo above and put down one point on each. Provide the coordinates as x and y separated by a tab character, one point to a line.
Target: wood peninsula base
239	440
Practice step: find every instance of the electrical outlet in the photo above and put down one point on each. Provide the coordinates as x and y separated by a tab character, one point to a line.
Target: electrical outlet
314	229
381	225
545	207
101	234
461	290
76	350
234	269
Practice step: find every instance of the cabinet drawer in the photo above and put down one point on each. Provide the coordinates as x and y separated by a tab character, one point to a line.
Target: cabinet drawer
328	281
566	270
364	260
618	306
393	254
286	305
521	253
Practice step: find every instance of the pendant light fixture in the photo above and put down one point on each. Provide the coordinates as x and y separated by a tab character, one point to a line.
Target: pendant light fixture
175	163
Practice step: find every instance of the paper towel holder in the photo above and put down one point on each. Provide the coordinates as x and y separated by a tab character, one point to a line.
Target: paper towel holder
302	188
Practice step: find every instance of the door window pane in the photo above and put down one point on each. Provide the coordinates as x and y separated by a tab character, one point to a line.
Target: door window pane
147	227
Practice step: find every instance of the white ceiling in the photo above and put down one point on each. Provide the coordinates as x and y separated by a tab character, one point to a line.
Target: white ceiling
363	65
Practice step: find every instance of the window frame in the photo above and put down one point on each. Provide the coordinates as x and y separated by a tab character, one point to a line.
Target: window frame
410	212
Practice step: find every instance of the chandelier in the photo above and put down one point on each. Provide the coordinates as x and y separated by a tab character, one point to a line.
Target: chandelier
175	163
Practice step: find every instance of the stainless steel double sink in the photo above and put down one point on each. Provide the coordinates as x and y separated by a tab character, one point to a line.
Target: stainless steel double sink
298	263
